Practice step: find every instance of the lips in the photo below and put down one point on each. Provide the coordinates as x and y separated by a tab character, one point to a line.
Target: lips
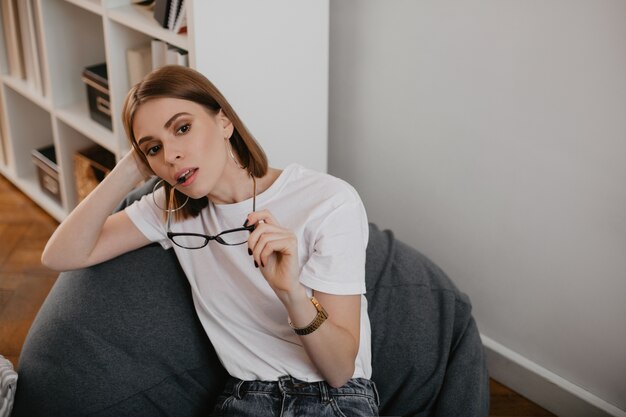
184	175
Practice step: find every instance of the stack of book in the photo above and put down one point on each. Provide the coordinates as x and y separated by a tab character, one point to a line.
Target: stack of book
171	14
20	20
143	59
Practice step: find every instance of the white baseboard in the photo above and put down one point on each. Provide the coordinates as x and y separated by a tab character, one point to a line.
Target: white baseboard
543	387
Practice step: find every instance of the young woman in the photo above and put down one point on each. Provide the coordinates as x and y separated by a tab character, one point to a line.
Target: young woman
275	259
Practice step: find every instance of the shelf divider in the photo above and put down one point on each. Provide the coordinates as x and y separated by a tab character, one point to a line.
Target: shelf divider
77	116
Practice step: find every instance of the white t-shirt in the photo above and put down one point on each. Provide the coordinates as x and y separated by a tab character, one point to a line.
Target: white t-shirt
243	317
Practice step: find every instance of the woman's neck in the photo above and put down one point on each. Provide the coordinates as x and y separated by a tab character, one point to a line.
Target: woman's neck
236	185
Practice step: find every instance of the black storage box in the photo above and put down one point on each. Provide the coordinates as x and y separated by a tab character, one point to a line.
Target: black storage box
97	82
48	171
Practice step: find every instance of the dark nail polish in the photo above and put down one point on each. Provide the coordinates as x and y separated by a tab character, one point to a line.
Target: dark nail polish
249	252
256	265
245	223
263	265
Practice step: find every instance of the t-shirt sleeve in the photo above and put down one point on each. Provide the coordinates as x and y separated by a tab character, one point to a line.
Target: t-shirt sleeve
337	262
149	219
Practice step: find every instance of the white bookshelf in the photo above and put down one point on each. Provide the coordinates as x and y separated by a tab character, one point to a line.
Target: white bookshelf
270	59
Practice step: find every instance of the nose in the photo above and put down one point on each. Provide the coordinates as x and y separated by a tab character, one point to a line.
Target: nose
172	153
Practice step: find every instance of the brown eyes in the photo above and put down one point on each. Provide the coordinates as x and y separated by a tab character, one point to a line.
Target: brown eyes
153	150
184	128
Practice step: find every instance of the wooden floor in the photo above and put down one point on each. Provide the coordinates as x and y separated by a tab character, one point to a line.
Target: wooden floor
24	284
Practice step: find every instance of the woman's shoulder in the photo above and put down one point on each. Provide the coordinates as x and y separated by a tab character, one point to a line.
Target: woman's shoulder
324	185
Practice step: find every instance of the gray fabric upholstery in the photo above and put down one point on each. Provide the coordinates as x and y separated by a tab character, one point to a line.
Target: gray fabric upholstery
122	339
117	337
427	356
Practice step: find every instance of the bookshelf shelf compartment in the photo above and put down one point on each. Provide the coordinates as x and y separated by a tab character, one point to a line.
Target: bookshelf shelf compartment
30	128
71	141
141	20
79	45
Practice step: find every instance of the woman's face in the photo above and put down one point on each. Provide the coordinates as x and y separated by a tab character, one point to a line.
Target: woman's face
181	138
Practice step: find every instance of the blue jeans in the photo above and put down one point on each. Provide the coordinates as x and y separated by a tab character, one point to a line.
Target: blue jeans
290	397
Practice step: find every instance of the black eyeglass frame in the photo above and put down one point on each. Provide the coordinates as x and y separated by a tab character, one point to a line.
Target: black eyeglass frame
207	238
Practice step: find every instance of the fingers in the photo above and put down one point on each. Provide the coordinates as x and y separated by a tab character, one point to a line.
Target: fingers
268	237
261	216
270	243
262	234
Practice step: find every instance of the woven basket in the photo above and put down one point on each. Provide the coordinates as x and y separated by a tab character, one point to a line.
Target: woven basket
91	165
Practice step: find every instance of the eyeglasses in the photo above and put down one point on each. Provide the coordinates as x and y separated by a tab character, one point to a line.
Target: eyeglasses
230	237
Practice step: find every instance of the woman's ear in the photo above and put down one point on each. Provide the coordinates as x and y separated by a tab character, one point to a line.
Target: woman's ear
225	124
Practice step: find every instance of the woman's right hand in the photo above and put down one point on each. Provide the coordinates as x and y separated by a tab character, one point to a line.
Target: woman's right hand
133	167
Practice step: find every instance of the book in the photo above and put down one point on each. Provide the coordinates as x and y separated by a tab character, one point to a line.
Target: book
173	12
162	11
139	61
38	31
24	35
30	49
180	24
13	38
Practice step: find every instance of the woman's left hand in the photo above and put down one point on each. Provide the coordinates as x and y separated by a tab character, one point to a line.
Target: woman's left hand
275	250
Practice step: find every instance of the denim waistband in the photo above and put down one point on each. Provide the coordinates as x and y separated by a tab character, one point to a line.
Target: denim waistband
292	386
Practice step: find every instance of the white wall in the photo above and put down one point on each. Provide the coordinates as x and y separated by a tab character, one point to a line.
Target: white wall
270	59
491	135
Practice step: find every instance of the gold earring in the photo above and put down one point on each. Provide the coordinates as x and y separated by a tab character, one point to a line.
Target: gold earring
167	205
230	152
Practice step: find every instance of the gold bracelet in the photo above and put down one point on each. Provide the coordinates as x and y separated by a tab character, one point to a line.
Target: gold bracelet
321	316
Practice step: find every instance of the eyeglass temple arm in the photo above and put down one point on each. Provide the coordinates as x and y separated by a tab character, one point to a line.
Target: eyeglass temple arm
253	193
170	204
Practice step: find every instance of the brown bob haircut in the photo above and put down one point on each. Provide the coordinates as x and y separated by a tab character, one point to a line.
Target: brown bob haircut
174	81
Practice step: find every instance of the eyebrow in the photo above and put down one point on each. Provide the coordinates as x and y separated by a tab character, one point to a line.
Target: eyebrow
166	125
